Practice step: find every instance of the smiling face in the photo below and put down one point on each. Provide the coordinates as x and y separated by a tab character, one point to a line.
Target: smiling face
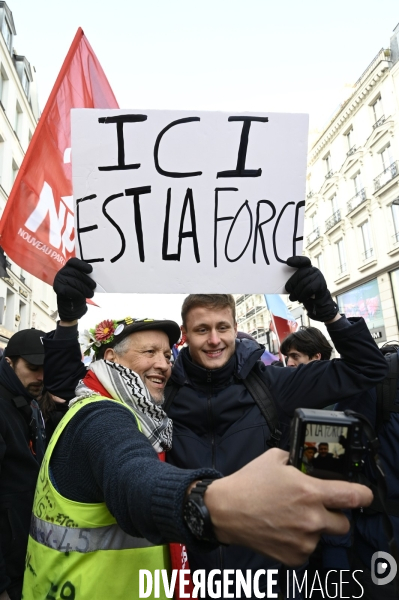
148	354
211	335
323	449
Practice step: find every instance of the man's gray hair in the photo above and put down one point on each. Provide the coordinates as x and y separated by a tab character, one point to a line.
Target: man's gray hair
123	346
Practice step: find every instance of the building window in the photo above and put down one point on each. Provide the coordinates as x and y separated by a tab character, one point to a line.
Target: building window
7	34
15	169
368	251
18	119
386	157
342	267
395	219
378	113
357	182
25	82
334	204
350	142
320	262
3	86
327	162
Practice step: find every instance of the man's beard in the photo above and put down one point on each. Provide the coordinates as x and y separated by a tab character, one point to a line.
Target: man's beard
34	390
155	401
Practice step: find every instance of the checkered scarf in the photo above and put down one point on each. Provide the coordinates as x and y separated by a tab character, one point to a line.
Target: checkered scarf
125	385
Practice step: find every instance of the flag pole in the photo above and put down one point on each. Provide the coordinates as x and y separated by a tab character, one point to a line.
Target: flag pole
42	120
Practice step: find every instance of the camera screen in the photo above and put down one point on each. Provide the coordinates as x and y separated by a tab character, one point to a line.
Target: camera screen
323	452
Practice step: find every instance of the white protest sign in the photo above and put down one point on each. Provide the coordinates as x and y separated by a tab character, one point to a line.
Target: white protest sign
188	202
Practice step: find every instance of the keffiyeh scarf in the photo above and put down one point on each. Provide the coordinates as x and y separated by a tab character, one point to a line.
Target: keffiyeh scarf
125	385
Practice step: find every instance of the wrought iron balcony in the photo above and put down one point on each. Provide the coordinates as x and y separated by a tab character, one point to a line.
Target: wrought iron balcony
351	151
388	174
240	299
367	254
312	237
329	174
357	199
342	268
333	220
380	121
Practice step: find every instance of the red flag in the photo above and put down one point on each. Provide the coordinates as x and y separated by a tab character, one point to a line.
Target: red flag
37	226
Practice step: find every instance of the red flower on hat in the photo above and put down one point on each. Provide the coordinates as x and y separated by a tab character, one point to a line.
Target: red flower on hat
104	330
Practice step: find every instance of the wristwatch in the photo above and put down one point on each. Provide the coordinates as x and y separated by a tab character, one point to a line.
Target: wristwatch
196	514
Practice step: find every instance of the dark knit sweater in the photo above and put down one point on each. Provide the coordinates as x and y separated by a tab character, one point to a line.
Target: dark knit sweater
102	456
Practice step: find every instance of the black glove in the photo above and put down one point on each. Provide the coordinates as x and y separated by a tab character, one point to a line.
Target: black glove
309	287
72	286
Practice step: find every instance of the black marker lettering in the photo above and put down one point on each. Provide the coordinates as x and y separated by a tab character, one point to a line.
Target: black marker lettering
156	150
275	231
136	193
217	219
258	228
80	230
297	239
119	230
188	199
120	120
70	588
240	170
246	205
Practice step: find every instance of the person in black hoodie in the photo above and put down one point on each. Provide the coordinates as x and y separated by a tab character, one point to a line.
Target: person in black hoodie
22	444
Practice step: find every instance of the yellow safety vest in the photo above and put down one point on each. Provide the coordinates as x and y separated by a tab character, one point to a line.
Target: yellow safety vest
77	551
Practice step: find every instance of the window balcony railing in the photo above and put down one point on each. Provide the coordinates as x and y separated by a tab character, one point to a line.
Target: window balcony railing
333	220
351	151
342	268
329	174
395	237
367	254
309	195
312	237
388	174
357	199
380	121
240	299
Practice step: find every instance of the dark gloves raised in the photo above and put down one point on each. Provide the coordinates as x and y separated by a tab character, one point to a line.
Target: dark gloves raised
308	286
73	285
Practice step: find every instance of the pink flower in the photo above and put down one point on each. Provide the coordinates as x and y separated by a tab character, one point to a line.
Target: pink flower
104	330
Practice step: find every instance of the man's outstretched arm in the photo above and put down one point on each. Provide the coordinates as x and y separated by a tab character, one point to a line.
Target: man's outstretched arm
262	506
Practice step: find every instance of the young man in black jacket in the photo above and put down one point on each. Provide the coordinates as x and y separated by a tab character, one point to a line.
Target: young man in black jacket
217	423
21	449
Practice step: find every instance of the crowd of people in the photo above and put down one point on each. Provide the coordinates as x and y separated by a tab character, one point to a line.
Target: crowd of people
133	463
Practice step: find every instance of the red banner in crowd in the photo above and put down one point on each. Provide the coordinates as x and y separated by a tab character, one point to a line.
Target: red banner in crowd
37	226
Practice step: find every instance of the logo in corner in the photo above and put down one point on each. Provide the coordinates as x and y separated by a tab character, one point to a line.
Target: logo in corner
383	568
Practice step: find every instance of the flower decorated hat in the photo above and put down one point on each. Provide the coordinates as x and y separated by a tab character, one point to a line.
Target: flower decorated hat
108	333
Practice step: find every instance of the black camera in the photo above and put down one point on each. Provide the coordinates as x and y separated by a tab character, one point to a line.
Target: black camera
326	444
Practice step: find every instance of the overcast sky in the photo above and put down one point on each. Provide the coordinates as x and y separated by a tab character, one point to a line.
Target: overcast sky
231	55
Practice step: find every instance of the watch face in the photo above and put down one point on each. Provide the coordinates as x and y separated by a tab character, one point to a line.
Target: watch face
194	519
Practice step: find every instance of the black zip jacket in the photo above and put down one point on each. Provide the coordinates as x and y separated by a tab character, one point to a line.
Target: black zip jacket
18	474
217	424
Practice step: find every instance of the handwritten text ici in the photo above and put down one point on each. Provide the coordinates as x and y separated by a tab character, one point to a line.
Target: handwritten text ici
240	222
